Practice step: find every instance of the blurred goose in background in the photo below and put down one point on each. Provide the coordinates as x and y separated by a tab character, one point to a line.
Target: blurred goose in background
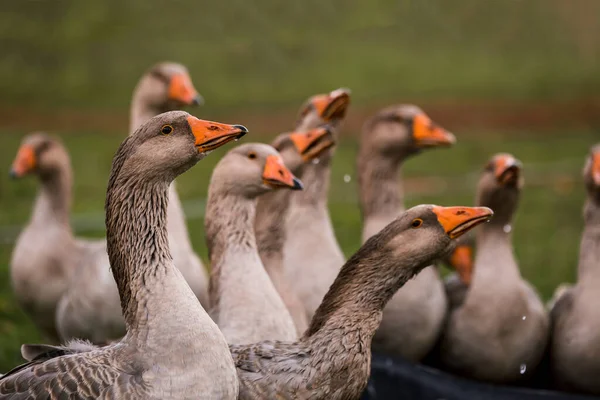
462	261
414	317
312	255
172	348
332	359
244	303
90	308
296	149
575	346
46	253
500	332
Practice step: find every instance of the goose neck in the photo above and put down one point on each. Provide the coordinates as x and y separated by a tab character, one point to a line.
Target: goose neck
381	197
53	203
589	251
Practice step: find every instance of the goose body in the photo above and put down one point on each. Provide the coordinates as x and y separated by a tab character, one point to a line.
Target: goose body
312	255
414	317
172	349
245	303
90	308
499	334
575	342
332	359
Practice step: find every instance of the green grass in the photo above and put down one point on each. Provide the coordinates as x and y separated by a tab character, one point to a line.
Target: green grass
546	230
268	53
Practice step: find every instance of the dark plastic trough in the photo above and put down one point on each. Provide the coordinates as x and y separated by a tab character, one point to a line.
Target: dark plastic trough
393	378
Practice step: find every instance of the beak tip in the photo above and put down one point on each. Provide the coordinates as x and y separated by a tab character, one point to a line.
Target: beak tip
198	100
241	128
298	185
13	174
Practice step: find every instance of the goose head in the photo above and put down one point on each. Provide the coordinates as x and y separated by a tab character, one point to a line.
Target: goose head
402	130
428	232
170	143
591	172
500	185
251	170
298	148
39	154
324	108
168	86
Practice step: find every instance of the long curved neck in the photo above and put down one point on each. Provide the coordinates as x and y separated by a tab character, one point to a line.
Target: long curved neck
381	197
316	177
53	203
269	227
229	233
589	252
360	292
495	263
138	247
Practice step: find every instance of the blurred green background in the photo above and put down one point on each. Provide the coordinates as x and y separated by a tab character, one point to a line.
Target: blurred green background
516	76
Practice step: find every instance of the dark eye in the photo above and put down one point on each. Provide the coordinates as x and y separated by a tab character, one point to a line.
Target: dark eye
417	223
252	155
167	129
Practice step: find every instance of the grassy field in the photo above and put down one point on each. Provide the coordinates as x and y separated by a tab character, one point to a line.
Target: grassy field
546	233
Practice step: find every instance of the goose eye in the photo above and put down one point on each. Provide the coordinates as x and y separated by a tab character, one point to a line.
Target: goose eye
167	129
417	223
252	155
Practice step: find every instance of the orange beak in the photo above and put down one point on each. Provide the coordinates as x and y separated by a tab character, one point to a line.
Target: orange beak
462	261
596	168
427	134
276	175
313	142
332	105
457	221
24	163
182	89
211	135
507	169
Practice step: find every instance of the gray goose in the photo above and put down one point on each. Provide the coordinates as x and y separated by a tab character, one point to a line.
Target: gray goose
575	341
244	303
90	308
332	359
500	332
414	317
296	149
172	349
312	255
46	253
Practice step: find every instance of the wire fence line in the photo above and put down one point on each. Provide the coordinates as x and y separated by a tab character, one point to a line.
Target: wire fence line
538	175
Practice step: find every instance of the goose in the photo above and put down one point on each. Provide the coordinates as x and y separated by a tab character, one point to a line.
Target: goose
332	359
296	149
575	340
414	317
499	334
244	303
172	349
46	252
90	307
312	256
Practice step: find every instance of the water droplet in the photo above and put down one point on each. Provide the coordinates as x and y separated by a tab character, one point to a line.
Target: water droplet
507	228
315	161
524	317
236	139
522	369
347	178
